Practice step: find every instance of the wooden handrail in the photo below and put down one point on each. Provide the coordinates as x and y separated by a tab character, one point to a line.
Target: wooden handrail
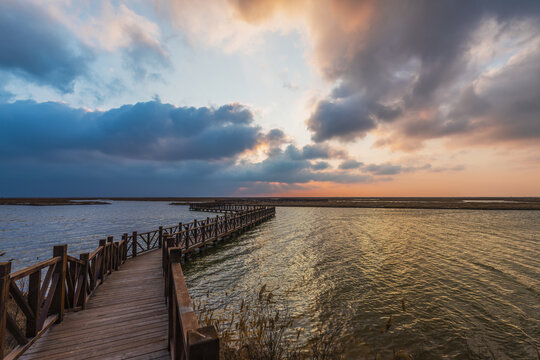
187	340
31	269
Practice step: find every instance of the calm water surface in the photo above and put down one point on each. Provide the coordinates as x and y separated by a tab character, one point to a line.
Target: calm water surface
470	279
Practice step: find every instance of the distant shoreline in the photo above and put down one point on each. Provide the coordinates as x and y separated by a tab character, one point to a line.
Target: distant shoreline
434	203
397	204
51	202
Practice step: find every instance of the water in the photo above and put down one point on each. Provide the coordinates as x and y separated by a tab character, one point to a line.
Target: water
28	233
470	279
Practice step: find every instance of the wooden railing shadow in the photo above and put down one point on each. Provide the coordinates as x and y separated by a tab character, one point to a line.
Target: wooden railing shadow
34	298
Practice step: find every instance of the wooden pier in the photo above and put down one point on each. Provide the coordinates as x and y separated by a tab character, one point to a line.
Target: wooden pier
125	300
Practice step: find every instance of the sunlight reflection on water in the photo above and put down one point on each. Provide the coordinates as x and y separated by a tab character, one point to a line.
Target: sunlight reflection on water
470	279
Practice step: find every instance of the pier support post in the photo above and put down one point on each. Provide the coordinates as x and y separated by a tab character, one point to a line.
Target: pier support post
160	236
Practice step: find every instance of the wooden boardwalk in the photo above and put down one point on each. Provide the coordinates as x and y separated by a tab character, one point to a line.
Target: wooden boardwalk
126	318
124	300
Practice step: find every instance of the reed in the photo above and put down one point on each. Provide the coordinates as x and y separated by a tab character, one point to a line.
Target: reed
258	328
14	311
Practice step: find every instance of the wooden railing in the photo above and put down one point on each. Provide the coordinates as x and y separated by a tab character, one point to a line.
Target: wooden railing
34	298
186	339
221	206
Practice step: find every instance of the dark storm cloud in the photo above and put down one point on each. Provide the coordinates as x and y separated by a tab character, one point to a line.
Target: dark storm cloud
144	131
504	106
411	56
344	119
37	48
51	149
106	177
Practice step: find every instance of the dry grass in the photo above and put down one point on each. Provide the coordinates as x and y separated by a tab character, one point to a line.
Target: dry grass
15	312
258	329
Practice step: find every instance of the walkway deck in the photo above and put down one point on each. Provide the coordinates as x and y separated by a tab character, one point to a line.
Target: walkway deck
126	318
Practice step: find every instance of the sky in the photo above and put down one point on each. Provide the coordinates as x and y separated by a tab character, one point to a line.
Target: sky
269	98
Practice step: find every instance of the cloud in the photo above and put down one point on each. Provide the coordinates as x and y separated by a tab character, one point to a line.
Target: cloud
350	164
392	169
5	95
345	119
275	138
291	166
384	169
144	131
39	49
322	151
321	165
121	29
151	149
398	68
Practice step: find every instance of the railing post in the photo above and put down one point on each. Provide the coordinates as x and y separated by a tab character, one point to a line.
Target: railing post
134	248
203	344
110	241
175	255
169	243
163	248
84	286
216	230
5	269
195	230
160	236
180	234
102	271
124	250
117	254
207	228
175	330
34	301
59	297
